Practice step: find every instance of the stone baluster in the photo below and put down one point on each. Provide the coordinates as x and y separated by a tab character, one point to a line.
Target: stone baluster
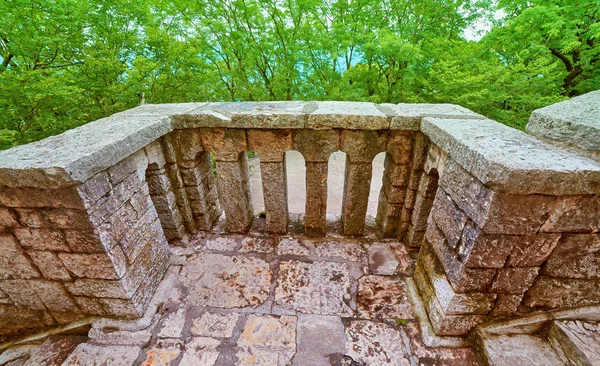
434	166
162	193
271	146
419	154
395	180
316	147
197	179
360	148
229	147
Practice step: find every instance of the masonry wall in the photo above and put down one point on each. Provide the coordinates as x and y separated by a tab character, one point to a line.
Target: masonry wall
503	224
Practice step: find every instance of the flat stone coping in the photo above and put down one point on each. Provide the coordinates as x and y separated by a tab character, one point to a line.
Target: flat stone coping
573	122
496	154
512	161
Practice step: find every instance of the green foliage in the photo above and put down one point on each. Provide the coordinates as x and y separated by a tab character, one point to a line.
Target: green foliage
64	63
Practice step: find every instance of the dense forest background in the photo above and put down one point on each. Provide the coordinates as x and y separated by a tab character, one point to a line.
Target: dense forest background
67	62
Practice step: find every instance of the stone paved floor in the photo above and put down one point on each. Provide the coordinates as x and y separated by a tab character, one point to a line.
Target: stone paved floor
233	300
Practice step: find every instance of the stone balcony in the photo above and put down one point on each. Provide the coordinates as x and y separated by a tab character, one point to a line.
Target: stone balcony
479	228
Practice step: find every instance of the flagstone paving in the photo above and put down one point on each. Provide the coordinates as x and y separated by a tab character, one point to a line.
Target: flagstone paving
235	300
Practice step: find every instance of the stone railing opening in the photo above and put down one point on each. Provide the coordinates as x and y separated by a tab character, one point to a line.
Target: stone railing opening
502	222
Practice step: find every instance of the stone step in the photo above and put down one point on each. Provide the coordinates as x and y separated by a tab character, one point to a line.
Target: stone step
54	350
576	341
519	350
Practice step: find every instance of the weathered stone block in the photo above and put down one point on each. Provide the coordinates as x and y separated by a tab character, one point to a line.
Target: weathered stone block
362	146
42	239
316	199
90	287
158	182
270	145
40	198
398	174
107	205
399	146
7	218
356	197
449	218
14	264
316	146
388	216
551	293
187	142
435	161
478	249
347	115
275	196
226	144
449	300
156	157
14	320
94	188
574	214
110	266
490	209
575	256
136	163
532	250
22	294
234	194
506	305
84	241
50	265
514	280
54	296
463	279
394	194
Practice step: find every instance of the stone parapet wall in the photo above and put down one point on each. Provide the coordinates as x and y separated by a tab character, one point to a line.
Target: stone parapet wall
501	220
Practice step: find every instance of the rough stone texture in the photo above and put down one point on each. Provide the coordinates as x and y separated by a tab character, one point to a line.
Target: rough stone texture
519	350
579	341
275	196
532	250
575	256
320	339
573	123
225	282
550	293
91	355
438	355
215	325
389	350
356	198
408	116
258	245
200	351
54	350
348	115
271	145
267	340
317	288
316	199
234	194
574	214
511	160
388	259
514	280
273	115
382	298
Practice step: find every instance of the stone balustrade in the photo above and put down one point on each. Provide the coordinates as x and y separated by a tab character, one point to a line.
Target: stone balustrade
504	224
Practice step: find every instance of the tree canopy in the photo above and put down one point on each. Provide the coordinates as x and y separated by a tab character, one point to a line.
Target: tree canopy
65	62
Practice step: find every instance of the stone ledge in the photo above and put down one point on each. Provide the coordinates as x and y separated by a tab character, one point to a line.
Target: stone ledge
572	123
511	161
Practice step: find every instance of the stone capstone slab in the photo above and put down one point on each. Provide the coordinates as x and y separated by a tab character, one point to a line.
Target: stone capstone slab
510	160
226	281
572	123
407	116
347	115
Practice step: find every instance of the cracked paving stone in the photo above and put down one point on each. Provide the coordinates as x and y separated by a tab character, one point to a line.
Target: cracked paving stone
321	340
388	259
91	355
267	340
200	351
222	244
165	351
258	245
314	288
173	324
438	355
226	281
383	298
290	246
215	325
375	344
